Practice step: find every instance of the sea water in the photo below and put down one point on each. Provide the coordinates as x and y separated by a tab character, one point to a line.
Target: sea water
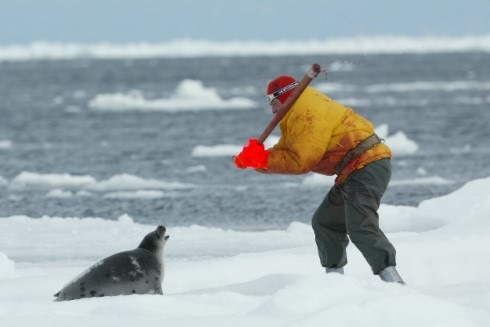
153	137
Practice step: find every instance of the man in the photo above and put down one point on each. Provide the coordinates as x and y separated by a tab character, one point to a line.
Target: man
321	135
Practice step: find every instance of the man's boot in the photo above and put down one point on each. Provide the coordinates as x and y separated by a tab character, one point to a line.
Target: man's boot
335	270
390	275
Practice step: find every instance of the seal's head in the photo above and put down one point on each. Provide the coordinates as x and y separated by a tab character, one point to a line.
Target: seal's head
155	241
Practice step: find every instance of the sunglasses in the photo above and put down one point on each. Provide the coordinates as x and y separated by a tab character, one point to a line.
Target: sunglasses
272	96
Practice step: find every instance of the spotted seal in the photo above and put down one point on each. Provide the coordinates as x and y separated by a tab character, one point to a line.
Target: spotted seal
139	271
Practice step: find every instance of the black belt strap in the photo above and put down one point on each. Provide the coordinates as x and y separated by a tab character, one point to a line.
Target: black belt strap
362	147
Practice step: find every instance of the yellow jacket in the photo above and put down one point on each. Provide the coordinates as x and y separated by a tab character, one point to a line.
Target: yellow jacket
317	132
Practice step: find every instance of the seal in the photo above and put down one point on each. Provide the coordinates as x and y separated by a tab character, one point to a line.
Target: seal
139	271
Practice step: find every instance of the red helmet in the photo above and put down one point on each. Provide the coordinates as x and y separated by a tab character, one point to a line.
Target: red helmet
280	88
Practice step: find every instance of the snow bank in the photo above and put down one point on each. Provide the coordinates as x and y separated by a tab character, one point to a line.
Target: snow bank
122	182
435	180
399	143
416	86
131	182
224	277
228	150
7	267
318	180
5	145
192	48
30	179
216	150
190	95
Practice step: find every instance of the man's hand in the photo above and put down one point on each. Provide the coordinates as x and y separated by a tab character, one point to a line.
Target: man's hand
253	155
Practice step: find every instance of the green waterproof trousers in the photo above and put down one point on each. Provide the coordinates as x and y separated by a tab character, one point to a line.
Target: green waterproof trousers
350	211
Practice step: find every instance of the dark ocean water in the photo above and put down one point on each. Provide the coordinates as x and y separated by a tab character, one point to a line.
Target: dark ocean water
440	101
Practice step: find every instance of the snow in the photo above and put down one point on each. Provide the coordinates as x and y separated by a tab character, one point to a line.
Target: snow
219	277
399	144
190	95
435	180
222	150
26	178
87	183
139	194
227	150
194	48
122	186
414	86
5	144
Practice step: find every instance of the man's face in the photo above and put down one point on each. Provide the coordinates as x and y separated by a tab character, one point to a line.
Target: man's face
275	105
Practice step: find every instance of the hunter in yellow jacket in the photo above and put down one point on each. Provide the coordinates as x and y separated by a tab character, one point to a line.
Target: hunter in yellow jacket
317	133
323	136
